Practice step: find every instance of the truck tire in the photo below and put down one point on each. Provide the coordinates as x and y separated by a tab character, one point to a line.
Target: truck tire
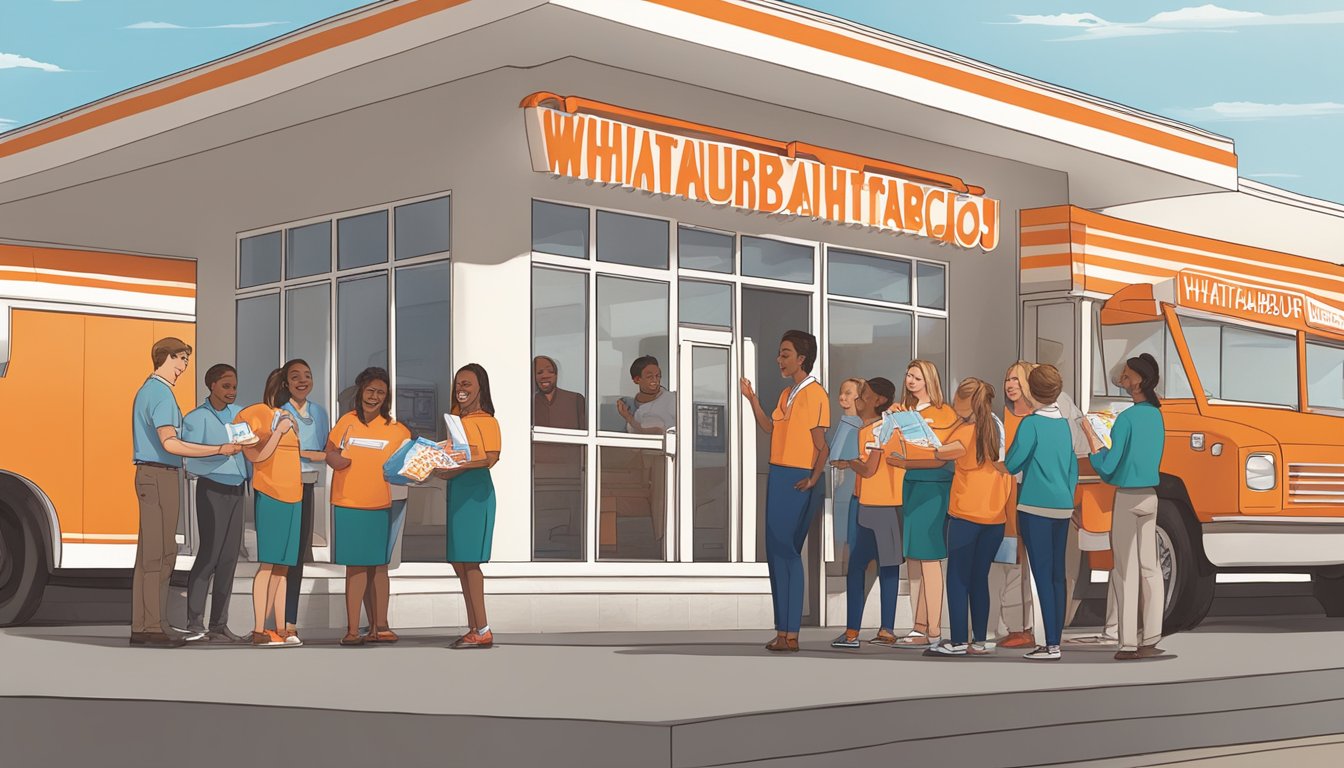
23	567
1189	586
1327	586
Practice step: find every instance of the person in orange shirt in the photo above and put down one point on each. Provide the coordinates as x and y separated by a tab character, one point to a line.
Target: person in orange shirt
277	484
924	496
1010	583
976	509
471	498
797	430
358	446
878	529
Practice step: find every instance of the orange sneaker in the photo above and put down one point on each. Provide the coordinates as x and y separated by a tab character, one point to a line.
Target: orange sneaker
1018	640
474	639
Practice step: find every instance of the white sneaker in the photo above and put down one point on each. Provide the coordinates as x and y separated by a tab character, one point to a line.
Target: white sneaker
292	641
194	637
1043	653
947	649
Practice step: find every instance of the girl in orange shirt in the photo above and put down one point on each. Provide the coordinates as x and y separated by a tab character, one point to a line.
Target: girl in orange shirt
277	484
976	508
358	446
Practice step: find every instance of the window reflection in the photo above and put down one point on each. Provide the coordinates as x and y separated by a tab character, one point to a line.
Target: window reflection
632	503
559	348
558	511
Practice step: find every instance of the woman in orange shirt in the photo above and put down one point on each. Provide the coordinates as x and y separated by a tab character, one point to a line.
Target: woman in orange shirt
358	446
797	430
927	486
976	508
277	484
471	498
1012	580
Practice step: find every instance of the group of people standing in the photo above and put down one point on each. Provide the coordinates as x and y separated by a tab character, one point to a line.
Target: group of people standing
989	478
291	438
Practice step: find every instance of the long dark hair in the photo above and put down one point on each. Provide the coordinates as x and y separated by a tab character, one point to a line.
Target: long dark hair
1146	366
483	381
364	379
884	389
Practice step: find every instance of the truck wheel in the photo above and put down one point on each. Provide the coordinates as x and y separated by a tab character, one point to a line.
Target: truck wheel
1328	589
23	568
1189	592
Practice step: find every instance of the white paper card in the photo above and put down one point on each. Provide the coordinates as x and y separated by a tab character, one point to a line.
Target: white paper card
367	442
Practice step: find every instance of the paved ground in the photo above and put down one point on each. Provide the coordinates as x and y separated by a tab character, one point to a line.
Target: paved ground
677	698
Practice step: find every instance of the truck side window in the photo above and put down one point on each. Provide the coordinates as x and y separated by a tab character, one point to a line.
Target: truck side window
1325	375
1226	354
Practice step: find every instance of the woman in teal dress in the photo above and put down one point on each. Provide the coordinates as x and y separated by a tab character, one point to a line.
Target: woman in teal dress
471	498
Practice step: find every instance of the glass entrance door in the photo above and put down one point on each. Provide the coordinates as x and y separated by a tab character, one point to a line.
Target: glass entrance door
708	525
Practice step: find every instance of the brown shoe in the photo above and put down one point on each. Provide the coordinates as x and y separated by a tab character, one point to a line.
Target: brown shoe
352	639
780	644
1127	655
156	640
1017	640
382	636
1149	651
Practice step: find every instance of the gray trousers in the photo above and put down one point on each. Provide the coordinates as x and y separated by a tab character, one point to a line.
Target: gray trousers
219	516
156	548
1138	575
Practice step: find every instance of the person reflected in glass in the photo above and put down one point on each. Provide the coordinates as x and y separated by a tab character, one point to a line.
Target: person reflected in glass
843	447
551	405
798	452
653	410
311	425
471	498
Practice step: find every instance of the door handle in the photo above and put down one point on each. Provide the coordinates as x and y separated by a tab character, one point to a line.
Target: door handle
670	441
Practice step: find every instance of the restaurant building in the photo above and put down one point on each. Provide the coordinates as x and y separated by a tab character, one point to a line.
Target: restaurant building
427	183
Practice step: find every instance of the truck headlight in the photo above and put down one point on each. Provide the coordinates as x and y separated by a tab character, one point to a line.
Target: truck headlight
1260	474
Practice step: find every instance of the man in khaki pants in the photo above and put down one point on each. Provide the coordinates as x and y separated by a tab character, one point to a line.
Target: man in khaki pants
157	453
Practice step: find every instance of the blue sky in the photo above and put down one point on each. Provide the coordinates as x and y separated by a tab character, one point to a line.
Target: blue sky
1267	73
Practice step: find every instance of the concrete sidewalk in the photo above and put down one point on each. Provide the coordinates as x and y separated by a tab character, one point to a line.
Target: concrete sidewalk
689	698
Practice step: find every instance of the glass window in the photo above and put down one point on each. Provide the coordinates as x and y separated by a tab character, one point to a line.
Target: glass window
1054	339
1205	341
631	323
777	260
361	332
1173	382
711	390
704	303
558	511
559	229
1325	376
868	277
308	334
1121	342
425	227
866	342
560	335
257	344
931	345
259	260
1243	364
361	240
701	249
633	240
931	285
632	504
424	376
308	250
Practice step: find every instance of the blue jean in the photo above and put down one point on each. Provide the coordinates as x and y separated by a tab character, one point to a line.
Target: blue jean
1045	539
788	515
970	552
863	550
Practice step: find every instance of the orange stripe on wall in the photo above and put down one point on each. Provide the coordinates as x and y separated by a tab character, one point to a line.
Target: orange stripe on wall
1036	217
394	16
1047	260
834	42
94	263
157	290
1049	237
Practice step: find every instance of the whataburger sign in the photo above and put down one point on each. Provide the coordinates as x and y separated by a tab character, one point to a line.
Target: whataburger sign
776	181
1275	306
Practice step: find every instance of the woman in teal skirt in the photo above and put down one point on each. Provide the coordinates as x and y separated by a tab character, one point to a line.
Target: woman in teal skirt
471	498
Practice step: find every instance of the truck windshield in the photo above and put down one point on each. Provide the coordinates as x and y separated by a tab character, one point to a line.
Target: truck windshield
1325	375
1242	364
1112	345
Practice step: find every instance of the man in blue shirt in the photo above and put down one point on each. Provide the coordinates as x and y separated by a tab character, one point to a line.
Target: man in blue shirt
219	508
157	452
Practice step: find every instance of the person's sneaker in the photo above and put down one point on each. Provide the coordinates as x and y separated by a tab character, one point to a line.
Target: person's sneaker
1022	639
1043	653
947	649
474	639
223	636
883	638
156	640
267	639
979	649
292	640
1091	640
1126	655
197	636
1149	651
846	640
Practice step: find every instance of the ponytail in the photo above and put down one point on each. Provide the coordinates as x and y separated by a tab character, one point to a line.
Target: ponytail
1146	366
981	395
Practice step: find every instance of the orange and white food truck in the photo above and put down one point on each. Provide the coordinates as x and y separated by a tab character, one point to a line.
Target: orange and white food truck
1251	348
76	329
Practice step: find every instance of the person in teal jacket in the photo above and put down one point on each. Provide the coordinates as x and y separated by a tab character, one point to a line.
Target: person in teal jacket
1043	452
1131	465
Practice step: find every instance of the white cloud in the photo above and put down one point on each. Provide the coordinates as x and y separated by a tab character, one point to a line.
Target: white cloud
6	121
15	61
1250	110
1275	175
167	25
1208	18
